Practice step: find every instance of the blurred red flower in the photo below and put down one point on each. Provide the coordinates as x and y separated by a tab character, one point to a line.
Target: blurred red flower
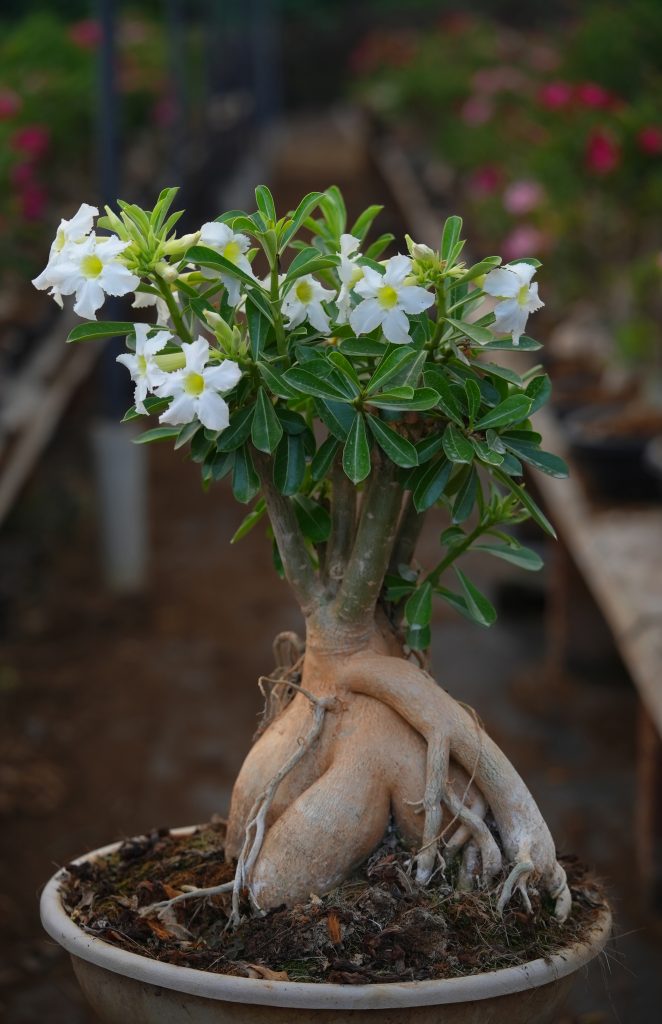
602	153
650	140
86	33
485	180
10	104
33	140
555	95
590	94
33	200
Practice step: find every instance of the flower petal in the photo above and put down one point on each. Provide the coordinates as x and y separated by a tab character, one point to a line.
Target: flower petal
367	315
197	354
116	279
396	327
318	317
212	410
89	298
502	283
397	269
524	271
224	376
181	410
413	299
510	319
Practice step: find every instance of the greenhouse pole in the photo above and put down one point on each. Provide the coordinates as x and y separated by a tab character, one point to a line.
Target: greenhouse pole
120	465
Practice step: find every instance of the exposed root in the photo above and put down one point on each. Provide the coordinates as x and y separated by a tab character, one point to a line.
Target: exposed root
517	879
277	689
257	819
189	893
438	757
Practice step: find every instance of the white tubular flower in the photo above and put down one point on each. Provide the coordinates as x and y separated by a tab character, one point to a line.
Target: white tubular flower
145	373
349	272
387	300
232	247
304	302
519	297
143	300
69	232
196	390
92	270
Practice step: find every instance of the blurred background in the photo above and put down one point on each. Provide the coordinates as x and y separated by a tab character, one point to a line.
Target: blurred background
131	632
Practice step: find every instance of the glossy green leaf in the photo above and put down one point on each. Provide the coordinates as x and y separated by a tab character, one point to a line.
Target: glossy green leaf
458	448
153	405
422	400
389	367
266	428
472	392
314	520
418	608
398	448
539	390
546	462
203	256
429	484
520	556
238	431
265	202
448	404
250	521
450	236
356	453
526	500
512	410
156	434
245	481
481	335
275	382
93	330
289	464
336	416
466	496
324	457
480	608
258	327
310	384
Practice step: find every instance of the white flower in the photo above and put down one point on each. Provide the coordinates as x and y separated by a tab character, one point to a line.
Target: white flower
349	272
387	300
145	373
304	302
196	390
92	270
232	247
512	285
143	300
70	231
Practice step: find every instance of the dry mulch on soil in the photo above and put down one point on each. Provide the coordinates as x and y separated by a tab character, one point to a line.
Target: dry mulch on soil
379	926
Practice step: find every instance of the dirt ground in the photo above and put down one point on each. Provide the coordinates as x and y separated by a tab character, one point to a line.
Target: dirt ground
117	715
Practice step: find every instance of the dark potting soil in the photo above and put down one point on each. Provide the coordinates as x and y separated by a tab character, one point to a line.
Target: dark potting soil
378	926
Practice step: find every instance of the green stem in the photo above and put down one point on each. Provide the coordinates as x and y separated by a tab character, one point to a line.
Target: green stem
281	339
173	308
455	552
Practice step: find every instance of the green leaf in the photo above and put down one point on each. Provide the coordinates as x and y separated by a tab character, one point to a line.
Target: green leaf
245	481
485	453
398	448
419	639
436	379
527	501
429	484
93	330
314	520
343	365
546	462
275	382
289	464
466	496
520	556
502	372
374	251
539	391
156	434
508	345
450	236
481	610
292	422
478	269
362	224
428	447
458	448
418	609
303	210
310	384
473	398
512	410
238	431
363	347
152	404
336	416
206	257
423	399
323	458
265	202
389	367
266	429
251	520
481	335
300	266
258	327
356	453
221	464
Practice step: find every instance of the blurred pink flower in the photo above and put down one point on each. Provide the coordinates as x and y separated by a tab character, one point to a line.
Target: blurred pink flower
592	95
523	196
33	201
524	240
33	140
555	95
10	104
476	110
603	153
485	180
650	140
86	33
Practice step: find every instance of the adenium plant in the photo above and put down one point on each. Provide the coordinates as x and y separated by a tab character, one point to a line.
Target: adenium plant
346	396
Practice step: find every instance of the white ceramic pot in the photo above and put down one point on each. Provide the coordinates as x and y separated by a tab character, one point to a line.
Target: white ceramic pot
124	988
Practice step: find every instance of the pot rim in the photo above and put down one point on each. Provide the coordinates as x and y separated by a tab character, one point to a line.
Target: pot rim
294	994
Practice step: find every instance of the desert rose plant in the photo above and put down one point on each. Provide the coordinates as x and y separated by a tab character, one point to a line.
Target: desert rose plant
346	396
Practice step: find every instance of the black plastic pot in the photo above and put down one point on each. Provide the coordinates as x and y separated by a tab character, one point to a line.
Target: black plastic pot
614	462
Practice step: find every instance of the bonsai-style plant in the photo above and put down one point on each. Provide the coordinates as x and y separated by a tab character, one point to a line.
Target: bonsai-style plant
346	396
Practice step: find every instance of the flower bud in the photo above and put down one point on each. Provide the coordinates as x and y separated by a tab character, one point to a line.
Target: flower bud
221	329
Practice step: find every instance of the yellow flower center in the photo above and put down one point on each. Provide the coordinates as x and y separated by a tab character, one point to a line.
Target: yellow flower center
304	292
232	252
142	364
194	384
387	296
91	266
523	295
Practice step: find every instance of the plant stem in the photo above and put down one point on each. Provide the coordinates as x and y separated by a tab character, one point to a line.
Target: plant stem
173	308
411	524
373	545
281	339
291	544
455	552
343	524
